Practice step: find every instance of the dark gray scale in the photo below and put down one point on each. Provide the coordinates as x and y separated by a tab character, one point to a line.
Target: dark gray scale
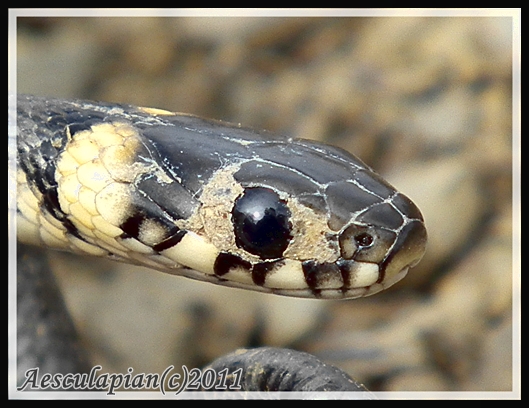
382	215
336	153
259	173
345	199
190	156
374	183
406	206
171	198
302	159
225	130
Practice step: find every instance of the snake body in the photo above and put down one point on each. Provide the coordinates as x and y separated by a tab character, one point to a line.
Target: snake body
209	200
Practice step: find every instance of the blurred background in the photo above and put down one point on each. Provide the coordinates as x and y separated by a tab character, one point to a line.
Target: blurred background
426	101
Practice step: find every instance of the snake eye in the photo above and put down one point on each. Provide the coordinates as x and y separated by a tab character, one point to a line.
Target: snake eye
363	240
261	223
356	239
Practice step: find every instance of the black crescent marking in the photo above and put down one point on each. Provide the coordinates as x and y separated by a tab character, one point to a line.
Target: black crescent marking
261	270
171	241
226	261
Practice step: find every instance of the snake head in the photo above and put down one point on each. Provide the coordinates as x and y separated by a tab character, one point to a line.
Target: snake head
210	200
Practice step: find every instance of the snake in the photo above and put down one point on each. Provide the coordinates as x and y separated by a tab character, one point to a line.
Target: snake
209	200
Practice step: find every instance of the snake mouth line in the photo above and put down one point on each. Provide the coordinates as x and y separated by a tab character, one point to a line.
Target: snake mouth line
307	293
343	293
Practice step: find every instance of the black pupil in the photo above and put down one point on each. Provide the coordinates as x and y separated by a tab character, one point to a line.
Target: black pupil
363	239
261	223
